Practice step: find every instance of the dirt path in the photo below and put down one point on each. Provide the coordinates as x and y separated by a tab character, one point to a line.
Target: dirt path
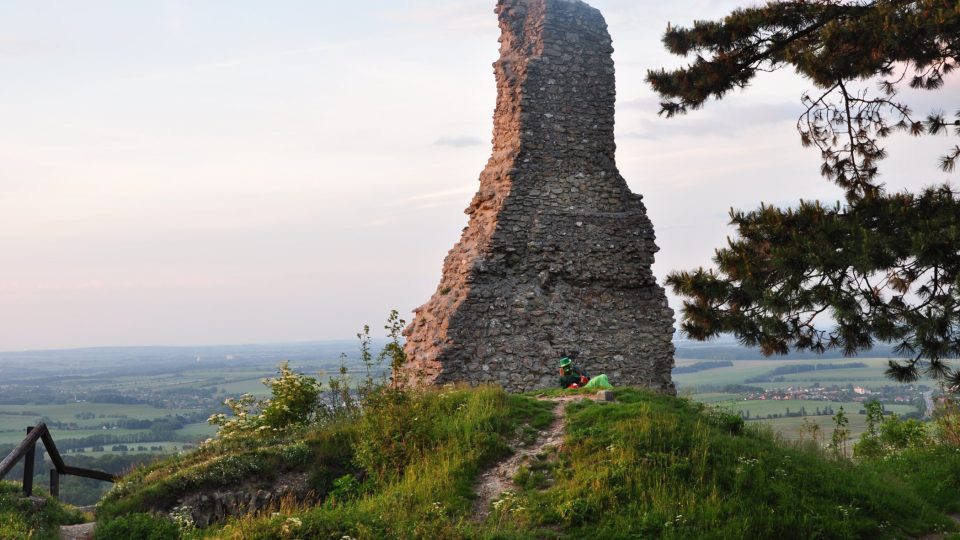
84	531
499	478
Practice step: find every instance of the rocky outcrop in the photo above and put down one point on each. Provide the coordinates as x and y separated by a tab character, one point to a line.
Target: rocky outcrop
556	256
214	507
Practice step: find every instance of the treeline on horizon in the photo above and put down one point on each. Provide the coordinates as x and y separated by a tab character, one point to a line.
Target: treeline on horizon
778	373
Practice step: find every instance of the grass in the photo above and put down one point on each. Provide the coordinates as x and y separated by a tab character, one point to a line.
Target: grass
658	467
647	466
35	520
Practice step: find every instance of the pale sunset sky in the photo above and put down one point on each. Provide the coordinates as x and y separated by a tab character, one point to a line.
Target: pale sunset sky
186	172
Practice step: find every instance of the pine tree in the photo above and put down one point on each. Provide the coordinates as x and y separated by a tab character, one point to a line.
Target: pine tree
884	267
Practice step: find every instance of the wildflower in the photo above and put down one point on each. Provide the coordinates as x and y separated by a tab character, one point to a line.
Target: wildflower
290	525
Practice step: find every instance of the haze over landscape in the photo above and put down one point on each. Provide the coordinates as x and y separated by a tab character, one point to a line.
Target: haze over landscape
183	173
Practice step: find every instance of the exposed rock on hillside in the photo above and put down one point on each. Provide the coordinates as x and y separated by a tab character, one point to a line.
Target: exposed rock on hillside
557	254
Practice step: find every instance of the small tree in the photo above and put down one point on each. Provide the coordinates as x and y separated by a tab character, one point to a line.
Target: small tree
840	435
869	444
393	351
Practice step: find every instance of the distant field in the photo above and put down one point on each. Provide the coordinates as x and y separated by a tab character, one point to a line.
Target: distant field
196	431
714	398
13	426
234	380
789	428
740	370
200	430
169	447
759	409
67	412
16	436
869	377
252	382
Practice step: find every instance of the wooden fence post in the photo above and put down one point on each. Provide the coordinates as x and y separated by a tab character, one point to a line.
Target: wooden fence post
55	484
28	467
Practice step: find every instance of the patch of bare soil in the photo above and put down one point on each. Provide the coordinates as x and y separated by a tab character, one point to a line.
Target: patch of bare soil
499	478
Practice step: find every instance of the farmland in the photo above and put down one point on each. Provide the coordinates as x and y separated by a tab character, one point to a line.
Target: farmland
111	409
143	396
783	394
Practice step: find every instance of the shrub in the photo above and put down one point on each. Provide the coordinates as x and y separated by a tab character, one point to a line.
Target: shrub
390	433
869	444
947	421
900	434
294	402
889	436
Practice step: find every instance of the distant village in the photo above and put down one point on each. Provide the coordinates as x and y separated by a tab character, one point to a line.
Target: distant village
900	394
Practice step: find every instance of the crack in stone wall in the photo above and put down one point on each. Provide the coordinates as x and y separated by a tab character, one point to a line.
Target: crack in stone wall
557	254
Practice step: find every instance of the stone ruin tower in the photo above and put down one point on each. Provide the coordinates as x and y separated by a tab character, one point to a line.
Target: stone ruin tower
556	257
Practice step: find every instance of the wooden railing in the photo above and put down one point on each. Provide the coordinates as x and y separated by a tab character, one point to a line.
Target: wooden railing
26	450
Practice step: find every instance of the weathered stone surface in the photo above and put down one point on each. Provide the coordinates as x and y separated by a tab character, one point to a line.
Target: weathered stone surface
604	395
211	508
557	253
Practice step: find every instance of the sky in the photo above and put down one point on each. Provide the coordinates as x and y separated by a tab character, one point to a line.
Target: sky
233	171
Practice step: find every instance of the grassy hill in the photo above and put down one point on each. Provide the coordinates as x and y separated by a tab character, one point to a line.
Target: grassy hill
645	466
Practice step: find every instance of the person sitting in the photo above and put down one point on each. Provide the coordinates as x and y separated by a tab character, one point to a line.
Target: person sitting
572	376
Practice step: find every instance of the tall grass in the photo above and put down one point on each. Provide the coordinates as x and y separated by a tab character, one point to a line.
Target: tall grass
419	484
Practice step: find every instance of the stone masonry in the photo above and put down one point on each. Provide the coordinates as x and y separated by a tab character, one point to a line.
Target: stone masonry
556	257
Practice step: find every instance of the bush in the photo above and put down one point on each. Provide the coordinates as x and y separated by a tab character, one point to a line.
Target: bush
139	526
947	420
294	403
901	434
889	436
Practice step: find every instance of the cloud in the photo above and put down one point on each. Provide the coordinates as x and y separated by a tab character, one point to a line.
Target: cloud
723	121
646	103
473	16
239	61
426	198
460	141
11	48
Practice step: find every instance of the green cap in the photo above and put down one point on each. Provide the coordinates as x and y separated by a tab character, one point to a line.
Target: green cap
564	362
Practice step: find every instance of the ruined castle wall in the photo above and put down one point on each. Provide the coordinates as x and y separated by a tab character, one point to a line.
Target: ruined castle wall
556	256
